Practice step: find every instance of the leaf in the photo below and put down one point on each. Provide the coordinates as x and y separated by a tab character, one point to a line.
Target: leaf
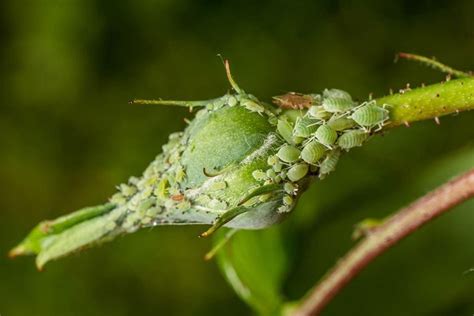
255	264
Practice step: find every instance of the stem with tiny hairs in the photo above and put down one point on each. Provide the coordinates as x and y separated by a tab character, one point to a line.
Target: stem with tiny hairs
429	102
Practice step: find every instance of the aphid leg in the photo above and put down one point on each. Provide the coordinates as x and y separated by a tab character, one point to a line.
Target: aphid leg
231	80
378	129
226	238
268	188
224	219
431	62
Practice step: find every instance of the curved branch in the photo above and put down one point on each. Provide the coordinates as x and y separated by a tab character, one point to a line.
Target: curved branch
395	228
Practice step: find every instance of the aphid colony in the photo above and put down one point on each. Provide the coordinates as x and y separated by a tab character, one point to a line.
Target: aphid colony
313	140
240	163
307	143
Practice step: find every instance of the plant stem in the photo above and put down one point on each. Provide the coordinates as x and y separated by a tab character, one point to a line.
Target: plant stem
395	228
430	102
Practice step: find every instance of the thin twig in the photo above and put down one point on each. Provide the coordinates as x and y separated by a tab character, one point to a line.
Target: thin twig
395	228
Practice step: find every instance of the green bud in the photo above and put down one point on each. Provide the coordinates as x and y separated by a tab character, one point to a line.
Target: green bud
239	163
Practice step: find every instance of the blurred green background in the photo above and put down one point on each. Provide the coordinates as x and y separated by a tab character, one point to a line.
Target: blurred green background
68	136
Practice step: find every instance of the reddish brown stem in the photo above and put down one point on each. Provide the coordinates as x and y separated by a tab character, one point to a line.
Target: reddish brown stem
395	228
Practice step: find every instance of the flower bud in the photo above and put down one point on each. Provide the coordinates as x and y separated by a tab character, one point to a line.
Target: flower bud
240	163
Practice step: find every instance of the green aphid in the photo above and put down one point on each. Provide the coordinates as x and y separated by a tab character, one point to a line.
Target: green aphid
319	113
161	189
313	152
259	175
146	221
180	174
329	163
370	114
127	190
298	140
304	127
252	106
271	174
337	105
146	204
277	167
336	93
297	172
232	101
153	211
288	153
218	185
285	129
350	139
326	135
287	200
272	160
290	188
277	178
341	123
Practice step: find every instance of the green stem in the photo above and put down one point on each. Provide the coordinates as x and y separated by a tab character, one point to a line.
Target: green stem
430	102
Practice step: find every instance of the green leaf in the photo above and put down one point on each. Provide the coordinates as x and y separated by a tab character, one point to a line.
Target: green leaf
255	264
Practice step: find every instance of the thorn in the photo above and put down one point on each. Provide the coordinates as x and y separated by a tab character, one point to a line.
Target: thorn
437	120
406	123
187	121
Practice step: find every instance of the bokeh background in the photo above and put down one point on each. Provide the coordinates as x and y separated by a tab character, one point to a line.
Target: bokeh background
68	136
